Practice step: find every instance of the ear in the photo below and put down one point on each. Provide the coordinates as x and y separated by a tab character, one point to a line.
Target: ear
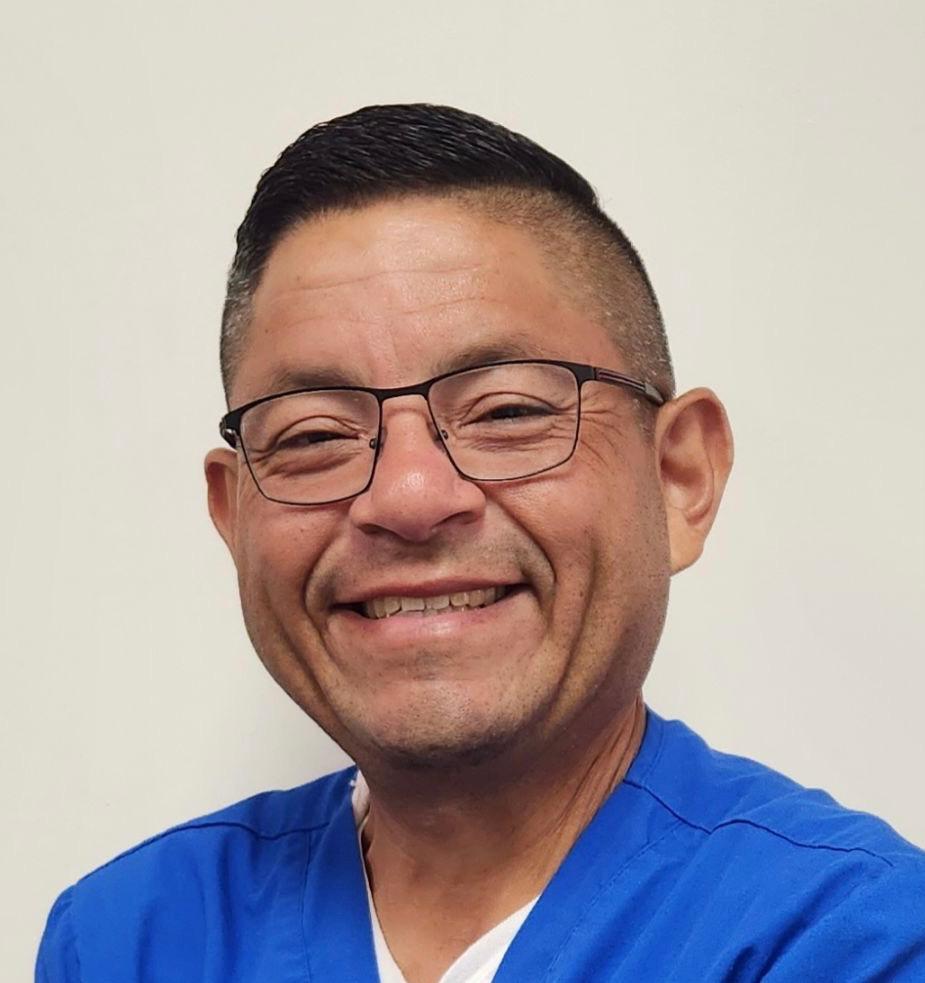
694	450
221	466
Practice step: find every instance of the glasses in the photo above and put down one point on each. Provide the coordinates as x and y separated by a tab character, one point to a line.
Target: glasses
498	422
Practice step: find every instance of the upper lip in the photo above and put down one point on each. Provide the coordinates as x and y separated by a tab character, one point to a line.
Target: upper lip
424	588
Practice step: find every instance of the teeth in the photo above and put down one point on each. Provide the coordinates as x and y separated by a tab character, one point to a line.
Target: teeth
385	607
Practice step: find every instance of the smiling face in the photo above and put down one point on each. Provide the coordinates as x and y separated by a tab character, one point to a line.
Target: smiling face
387	296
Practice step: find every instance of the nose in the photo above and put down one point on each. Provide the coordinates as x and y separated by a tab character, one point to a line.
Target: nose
416	491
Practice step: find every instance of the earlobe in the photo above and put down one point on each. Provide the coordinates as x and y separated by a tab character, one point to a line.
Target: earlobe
221	468
695	450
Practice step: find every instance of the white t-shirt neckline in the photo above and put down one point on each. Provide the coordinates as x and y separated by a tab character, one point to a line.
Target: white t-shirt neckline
477	964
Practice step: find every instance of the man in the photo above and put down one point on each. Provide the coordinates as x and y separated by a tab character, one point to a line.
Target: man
458	483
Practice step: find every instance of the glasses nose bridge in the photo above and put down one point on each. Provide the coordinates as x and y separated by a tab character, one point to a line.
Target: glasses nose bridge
435	432
422	390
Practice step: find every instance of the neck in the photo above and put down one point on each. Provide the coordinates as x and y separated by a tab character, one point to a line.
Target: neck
478	847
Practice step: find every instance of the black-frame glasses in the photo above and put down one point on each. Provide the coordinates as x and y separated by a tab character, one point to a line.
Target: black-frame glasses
501	421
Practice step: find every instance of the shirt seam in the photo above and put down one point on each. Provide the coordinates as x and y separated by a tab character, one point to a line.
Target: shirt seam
742	821
657	752
304	890
207	825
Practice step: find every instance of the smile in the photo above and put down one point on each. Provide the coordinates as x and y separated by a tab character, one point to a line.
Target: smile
387	607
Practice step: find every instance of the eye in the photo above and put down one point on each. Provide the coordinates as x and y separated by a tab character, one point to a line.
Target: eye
309	438
514	411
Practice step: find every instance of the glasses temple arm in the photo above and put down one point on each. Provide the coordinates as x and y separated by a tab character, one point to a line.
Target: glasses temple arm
644	388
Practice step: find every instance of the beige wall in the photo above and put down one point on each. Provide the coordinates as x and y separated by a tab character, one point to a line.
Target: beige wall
766	157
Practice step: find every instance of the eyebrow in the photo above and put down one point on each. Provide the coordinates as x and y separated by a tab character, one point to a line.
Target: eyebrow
486	352
317	377
480	353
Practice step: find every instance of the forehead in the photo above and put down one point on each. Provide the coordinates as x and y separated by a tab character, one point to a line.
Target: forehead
390	294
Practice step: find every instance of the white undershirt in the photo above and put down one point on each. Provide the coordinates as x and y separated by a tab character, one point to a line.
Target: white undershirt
477	964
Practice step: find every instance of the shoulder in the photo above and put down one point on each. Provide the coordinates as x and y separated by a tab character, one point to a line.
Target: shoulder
265	818
790	862
714	792
173	884
796	885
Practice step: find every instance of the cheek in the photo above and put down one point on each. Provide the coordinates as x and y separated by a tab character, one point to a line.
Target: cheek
572	519
600	525
278	548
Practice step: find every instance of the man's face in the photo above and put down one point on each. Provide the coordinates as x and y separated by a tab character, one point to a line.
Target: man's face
388	296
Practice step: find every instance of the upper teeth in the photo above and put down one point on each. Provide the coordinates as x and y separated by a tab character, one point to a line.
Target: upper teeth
384	607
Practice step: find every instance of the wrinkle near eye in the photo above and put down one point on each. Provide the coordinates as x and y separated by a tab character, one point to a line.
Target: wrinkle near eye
604	434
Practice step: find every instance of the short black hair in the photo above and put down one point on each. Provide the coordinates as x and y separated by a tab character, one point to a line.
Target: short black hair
385	152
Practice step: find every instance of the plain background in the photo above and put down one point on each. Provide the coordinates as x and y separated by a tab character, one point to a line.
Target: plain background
767	160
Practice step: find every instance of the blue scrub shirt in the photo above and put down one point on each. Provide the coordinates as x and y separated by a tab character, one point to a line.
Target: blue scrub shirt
699	867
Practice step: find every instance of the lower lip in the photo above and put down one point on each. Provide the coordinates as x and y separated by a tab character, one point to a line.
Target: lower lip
400	630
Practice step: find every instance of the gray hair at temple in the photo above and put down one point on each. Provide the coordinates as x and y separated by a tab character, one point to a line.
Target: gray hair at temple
388	152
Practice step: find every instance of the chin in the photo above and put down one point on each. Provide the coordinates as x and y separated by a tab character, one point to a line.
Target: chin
441	756
444	738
